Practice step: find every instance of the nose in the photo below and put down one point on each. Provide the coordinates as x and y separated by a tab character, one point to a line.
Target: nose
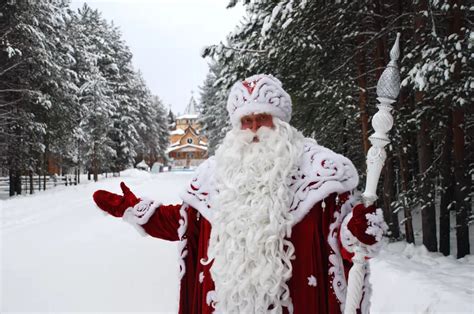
255	126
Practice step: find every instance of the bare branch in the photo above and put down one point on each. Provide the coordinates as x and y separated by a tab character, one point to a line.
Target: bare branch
21	90
10	68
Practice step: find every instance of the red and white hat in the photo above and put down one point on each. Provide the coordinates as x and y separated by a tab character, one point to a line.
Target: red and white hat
259	93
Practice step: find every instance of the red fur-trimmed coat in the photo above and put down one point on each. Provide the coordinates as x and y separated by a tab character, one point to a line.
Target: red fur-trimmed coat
321	202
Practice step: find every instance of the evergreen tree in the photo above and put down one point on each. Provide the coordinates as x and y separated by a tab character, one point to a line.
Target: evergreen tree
329	56
69	94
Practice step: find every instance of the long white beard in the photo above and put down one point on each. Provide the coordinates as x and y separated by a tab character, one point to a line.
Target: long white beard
252	258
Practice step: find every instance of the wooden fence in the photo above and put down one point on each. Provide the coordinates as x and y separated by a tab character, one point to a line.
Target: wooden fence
30	185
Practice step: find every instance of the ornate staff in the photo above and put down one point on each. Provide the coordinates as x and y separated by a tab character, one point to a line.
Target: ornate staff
388	88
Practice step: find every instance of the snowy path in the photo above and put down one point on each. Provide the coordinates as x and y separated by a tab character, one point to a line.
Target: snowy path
59	254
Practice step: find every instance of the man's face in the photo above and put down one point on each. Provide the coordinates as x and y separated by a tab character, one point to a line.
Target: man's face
253	122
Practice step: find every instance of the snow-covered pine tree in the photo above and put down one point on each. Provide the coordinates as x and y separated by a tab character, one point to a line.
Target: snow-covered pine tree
68	92
40	83
95	93
213	112
152	124
120	74
162	127
438	68
329	57
171	119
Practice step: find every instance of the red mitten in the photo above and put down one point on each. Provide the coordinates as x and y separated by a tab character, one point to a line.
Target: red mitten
115	204
368	231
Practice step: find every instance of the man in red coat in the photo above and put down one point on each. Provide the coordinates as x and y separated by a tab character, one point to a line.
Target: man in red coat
268	224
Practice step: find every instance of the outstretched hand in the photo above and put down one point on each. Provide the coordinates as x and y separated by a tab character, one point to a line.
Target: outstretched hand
115	204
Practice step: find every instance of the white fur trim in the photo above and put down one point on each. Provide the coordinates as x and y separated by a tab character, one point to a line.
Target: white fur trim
201	277
347	239
321	172
376	225
182	249
139	214
336	268
266	96
201	190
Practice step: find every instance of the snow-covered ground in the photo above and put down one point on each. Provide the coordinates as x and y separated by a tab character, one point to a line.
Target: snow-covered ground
60	254
409	279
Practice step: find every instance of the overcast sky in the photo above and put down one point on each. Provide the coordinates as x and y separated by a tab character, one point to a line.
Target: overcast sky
166	38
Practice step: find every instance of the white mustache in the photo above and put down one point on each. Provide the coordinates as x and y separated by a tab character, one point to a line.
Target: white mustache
250	137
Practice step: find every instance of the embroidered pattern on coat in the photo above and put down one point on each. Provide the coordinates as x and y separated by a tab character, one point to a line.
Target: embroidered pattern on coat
320	173
312	281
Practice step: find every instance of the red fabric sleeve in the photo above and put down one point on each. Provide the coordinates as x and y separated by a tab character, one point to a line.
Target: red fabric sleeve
164	223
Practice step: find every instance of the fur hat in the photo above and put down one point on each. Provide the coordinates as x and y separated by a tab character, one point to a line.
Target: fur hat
259	93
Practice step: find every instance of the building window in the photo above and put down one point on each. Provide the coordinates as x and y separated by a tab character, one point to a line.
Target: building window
190	155
189	140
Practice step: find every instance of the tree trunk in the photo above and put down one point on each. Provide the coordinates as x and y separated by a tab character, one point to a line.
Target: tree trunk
462	181
31	181
461	187
425	148
404	175
391	217
403	151
11	183
18	188
95	170
45	166
428	213
15	182
362	82
447	187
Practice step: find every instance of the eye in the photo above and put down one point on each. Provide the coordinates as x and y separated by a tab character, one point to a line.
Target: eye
245	121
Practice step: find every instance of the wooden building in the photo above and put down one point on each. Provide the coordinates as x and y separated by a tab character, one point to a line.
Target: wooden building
188	147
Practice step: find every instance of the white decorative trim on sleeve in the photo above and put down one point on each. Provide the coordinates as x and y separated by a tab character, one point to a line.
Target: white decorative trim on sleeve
336	268
139	214
348	240
182	249
377	227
